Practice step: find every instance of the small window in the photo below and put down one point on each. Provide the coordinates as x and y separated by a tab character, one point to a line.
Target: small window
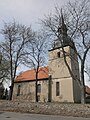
58	54
39	88
18	90
57	88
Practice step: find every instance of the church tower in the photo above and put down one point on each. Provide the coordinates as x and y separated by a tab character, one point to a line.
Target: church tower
64	87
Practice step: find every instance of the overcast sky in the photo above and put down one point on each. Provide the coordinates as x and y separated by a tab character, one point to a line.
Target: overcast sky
26	11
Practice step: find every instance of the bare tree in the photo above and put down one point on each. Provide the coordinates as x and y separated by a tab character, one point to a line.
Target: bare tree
77	19
36	56
4	68
80	25
16	37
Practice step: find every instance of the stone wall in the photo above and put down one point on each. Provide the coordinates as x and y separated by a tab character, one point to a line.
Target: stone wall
27	91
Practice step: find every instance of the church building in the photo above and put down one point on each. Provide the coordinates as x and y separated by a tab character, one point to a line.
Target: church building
57	81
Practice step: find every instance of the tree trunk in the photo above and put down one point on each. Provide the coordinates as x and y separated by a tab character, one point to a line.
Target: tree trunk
82	84
36	86
83	101
50	89
11	90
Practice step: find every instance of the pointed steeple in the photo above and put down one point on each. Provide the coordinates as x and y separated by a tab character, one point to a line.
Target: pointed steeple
63	28
62	31
62	34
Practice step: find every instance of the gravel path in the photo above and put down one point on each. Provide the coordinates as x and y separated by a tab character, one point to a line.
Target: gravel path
76	110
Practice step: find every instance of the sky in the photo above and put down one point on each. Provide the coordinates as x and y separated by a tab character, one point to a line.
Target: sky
27	12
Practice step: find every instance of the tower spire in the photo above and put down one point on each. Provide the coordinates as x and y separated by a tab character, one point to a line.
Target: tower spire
62	33
63	27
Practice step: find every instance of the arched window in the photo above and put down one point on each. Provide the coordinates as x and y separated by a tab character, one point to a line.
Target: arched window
18	90
39	88
57	89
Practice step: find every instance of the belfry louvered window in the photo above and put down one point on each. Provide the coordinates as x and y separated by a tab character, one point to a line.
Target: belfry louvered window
58	54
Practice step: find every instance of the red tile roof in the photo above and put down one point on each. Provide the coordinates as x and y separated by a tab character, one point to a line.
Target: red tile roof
31	75
87	89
